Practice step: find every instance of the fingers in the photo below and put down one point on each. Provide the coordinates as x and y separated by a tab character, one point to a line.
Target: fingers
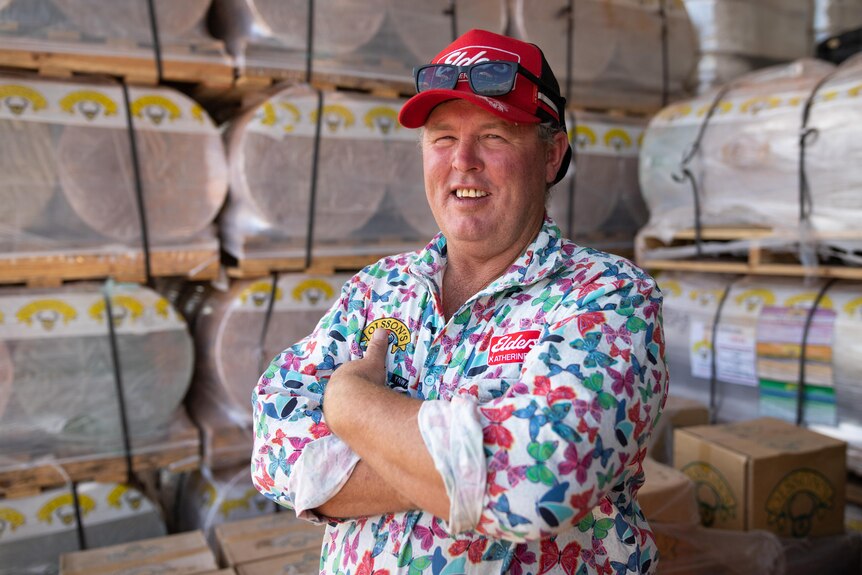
376	350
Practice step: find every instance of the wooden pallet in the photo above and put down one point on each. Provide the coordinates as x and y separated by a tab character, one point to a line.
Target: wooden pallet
52	269
252	268
195	63
755	251
178	449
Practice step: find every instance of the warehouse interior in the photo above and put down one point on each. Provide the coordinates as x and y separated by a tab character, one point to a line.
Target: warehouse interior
255	163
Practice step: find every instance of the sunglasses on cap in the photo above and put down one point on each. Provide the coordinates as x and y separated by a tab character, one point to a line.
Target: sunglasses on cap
491	78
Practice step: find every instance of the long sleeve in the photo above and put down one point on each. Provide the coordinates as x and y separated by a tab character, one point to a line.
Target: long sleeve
570	430
296	461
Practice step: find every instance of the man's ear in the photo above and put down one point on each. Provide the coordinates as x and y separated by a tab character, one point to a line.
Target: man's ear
555	154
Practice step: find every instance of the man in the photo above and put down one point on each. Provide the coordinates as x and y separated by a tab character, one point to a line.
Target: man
499	413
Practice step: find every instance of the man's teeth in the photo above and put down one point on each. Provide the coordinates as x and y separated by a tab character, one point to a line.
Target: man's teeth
470	193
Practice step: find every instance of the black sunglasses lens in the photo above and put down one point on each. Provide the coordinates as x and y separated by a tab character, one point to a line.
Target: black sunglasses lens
493	78
437	77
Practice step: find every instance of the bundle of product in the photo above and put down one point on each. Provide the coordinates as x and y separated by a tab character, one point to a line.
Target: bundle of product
70	181
333	172
755	359
738	36
380	39
612	51
208	498
60	379
599	203
109	29
833	17
237	334
35	531
275	543
186	553
734	158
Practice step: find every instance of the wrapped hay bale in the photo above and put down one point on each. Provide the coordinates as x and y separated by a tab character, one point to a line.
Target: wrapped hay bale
747	165
367	166
616	56
74	136
63	389
602	207
230	329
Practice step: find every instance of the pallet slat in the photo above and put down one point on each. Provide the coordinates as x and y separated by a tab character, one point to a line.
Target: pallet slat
178	450
750	251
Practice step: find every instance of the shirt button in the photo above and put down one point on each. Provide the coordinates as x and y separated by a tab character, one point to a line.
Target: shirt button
429	380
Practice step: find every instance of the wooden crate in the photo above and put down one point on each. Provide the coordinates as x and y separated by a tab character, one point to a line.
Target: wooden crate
756	251
241	542
178	449
181	554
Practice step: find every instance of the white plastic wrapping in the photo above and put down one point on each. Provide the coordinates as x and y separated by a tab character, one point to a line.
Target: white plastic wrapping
759	332
63	392
119	28
35	531
209	498
616	49
228	334
603	207
380	39
370	194
68	168
747	164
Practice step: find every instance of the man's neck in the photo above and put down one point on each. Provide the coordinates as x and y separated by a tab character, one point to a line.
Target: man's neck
467	274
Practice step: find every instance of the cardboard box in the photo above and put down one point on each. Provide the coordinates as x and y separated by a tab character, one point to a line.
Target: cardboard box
667	495
264	537
181	554
678	412
765	474
299	563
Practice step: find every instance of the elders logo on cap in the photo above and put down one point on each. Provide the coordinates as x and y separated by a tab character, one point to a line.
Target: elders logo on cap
462	57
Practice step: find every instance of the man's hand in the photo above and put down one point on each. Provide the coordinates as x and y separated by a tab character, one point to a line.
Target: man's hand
352	377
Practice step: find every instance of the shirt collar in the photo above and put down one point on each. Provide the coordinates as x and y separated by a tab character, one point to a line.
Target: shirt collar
539	260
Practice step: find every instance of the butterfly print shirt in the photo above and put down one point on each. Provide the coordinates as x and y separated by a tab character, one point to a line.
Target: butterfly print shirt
539	395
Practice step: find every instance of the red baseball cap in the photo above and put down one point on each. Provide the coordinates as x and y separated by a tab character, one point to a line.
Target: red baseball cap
527	103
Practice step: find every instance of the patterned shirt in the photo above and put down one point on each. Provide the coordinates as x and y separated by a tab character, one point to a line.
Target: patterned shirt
539	395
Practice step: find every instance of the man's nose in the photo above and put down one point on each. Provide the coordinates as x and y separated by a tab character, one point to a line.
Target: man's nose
466	156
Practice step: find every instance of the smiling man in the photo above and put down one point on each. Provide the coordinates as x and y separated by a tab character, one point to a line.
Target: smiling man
482	405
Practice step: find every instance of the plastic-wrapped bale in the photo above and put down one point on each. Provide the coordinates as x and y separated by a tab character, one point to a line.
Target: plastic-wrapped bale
368	166
747	163
63	390
229	331
379	39
69	169
130	19
833	17
757	351
616	56
35	531
426	27
695	550
209	498
739	36
602	207
120	28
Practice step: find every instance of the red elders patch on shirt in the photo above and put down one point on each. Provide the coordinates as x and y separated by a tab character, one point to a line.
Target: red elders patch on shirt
512	347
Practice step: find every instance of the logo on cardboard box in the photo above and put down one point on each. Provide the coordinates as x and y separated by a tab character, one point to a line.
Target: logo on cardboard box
799	498
715	498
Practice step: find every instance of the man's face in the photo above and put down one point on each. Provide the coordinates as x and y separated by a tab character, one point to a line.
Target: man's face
485	178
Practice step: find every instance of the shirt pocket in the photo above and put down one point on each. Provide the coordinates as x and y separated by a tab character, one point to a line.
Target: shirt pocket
489	385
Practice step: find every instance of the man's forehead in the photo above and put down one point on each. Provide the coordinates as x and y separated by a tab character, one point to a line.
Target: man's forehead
454	112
